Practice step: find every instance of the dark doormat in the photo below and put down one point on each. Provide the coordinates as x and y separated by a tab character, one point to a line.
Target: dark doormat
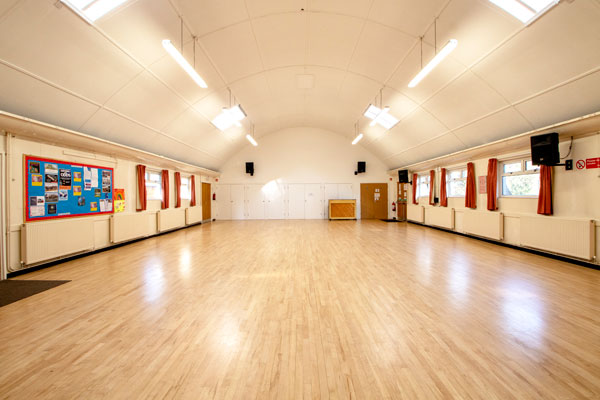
390	220
11	291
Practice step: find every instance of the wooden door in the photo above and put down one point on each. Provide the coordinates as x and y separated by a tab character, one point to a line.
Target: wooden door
373	201
402	201
206	196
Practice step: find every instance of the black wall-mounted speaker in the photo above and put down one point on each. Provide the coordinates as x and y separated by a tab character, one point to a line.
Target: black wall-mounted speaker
250	168
544	149
403	176
361	167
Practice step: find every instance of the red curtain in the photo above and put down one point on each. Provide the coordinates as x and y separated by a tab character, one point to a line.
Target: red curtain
165	189
443	194
193	190
141	183
492	184
545	197
431	187
177	189
414	188
471	195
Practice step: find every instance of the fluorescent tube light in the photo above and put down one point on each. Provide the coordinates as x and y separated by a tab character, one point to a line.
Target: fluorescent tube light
251	140
451	45
357	139
229	117
381	117
525	11
173	52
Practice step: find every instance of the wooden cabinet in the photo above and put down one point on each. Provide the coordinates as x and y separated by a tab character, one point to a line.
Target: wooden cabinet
342	209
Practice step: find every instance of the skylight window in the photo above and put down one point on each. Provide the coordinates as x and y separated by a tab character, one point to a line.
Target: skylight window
229	117
381	116
92	10
525	11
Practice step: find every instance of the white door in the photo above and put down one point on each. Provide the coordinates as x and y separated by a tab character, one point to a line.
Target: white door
313	201
223	193
296	201
274	200
345	191
331	193
255	202
238	209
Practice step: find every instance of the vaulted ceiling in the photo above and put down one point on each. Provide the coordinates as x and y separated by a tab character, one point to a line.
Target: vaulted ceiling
115	81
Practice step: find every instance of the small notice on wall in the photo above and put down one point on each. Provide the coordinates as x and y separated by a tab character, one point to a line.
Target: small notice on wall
482	184
591	163
119	199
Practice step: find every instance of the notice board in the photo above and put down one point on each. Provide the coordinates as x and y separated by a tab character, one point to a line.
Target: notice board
61	189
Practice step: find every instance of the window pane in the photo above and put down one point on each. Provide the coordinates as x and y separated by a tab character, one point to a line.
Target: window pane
457	188
530	167
455	174
512	167
521	185
464	173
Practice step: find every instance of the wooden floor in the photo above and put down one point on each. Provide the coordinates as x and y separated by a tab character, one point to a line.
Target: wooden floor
306	309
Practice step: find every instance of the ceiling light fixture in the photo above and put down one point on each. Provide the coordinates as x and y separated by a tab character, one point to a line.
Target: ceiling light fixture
381	115
251	140
357	139
229	116
178	57
92	10
447	49
526	11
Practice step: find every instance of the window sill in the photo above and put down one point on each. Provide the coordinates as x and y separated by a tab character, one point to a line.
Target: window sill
518	197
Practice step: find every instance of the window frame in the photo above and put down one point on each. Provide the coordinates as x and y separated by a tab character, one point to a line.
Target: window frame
524	171
425	177
152	184
187	179
449	180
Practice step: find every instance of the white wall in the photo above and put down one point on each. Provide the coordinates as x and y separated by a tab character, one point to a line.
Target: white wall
306	156
124	178
576	193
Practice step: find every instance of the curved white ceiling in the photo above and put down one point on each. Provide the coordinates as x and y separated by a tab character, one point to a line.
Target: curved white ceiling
115	81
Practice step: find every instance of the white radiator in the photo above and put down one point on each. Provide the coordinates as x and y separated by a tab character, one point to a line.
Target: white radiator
130	226
169	219
488	224
193	215
440	216
564	236
42	241
415	213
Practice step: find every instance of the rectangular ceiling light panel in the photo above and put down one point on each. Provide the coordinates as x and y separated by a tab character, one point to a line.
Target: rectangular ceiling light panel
381	117
229	117
525	11
92	10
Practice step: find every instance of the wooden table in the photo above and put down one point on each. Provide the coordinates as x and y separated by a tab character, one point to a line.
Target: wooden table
342	209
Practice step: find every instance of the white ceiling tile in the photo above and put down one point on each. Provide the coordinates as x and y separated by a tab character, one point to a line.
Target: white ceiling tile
332	39
454	107
419	127
356	8
257	8
379	51
562	44
357	90
34	99
445	144
206	16
394	13
234	51
57	45
288	45
494	127
148	101
252	90
578	98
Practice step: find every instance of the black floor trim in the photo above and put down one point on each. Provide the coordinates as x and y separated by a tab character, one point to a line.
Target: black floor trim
512	246
90	253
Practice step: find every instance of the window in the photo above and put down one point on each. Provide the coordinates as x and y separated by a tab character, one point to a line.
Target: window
153	185
185	189
456	182
91	10
520	178
423	186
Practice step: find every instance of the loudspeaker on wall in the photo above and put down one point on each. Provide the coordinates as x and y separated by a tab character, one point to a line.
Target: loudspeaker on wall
250	168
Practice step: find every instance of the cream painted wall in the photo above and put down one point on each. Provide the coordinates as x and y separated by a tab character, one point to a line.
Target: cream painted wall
576	193
124	178
306	155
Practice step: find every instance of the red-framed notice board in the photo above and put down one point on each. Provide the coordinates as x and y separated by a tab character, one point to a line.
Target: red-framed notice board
62	189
